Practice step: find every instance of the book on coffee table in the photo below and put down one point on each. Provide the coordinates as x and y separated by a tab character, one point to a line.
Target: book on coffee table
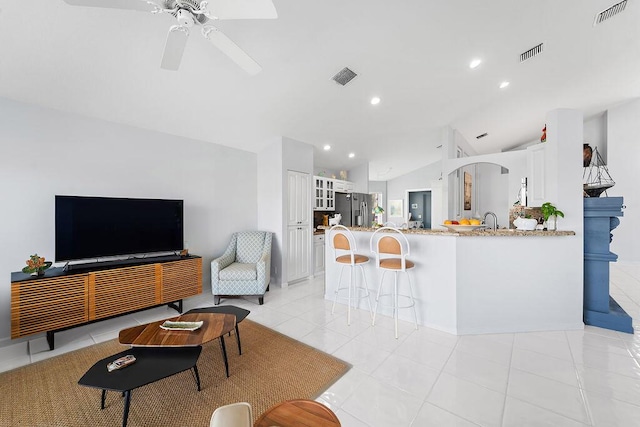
181	326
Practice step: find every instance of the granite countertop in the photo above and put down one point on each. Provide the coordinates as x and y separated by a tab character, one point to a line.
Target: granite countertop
480	232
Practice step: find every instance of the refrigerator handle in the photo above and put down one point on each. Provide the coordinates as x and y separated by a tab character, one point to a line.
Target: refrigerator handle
365	214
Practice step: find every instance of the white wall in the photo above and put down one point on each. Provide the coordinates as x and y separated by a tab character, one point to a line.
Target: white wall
45	152
359	175
326	172
623	153
493	196
282	155
271	211
417	179
493	192
380	187
595	133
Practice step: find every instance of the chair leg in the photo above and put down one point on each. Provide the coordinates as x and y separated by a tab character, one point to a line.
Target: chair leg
349	296
366	287
335	297
395	301
413	302
375	308
216	299
260	300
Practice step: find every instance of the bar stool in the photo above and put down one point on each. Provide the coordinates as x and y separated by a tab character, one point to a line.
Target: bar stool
344	246
391	249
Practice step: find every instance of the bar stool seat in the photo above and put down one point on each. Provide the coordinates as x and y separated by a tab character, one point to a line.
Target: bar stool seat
395	264
358	259
391	249
344	246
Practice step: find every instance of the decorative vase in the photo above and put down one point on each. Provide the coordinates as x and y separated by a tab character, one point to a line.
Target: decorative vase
38	273
525	223
552	223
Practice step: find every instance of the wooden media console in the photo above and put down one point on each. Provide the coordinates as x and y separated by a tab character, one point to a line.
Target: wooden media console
62	300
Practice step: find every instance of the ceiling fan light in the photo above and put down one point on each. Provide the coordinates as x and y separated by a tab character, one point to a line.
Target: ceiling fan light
185	18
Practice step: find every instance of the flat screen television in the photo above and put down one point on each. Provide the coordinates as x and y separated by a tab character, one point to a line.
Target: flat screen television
93	227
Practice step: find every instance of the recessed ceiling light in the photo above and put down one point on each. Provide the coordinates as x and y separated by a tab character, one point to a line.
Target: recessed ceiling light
327	147
375	100
351	155
503	85
475	63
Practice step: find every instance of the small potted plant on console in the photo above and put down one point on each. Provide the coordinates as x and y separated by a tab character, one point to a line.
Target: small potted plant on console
550	215
36	265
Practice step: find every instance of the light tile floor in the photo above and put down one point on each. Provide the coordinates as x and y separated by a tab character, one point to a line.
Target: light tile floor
426	377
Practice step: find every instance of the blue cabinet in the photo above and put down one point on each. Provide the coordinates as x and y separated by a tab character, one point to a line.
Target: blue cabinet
600	218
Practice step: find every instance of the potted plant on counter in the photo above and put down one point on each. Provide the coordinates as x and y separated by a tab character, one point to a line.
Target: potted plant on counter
550	214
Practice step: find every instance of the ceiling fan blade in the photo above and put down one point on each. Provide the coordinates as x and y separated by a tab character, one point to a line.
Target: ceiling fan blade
229	48
243	9
141	5
174	47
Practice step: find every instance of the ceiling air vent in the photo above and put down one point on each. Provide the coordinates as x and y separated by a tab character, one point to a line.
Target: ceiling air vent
482	136
531	53
609	13
344	76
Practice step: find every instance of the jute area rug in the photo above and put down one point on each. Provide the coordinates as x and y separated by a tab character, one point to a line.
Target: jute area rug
272	368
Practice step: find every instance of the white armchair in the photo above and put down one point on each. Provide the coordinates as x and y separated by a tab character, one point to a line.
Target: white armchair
244	268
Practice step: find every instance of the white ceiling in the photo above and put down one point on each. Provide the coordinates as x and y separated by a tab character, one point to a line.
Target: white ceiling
414	54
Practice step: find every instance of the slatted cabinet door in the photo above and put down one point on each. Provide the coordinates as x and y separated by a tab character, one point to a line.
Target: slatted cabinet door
123	289
47	304
53	303
181	279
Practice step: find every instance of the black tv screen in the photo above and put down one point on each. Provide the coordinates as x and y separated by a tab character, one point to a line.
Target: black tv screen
92	227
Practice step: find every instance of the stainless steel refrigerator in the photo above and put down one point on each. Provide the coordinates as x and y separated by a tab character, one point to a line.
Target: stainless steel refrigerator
355	209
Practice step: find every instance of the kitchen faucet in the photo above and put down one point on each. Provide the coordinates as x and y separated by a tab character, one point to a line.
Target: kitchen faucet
495	219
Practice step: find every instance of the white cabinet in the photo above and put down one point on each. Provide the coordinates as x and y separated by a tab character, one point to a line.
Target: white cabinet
344	186
298	252
298	198
330	195
324	197
318	254
299	228
536	175
319	190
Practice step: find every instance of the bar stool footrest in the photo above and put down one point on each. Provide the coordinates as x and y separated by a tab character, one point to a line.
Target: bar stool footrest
411	301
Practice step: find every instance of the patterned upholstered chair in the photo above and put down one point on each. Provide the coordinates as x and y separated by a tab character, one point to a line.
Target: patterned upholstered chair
244	268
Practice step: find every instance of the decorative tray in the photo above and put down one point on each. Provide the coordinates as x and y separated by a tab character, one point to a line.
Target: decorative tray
458	228
181	326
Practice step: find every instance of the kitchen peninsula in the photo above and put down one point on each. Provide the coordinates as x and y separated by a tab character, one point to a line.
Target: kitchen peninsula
481	281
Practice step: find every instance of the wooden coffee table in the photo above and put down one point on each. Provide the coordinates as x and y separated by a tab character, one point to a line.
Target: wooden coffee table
240	314
299	412
215	326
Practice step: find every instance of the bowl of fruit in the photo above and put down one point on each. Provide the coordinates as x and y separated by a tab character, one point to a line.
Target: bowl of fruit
464	224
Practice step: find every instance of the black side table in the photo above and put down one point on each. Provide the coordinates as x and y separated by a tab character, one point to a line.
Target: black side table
240	314
152	364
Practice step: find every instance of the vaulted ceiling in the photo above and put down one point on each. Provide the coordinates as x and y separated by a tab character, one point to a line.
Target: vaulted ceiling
413	54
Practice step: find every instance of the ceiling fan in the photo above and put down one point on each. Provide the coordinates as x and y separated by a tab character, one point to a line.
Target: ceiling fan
190	13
